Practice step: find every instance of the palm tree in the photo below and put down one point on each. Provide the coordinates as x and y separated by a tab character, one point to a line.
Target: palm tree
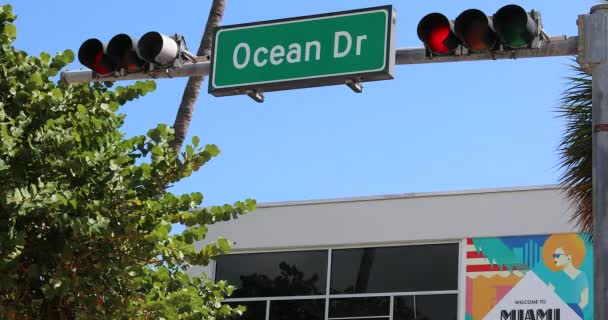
576	148
193	87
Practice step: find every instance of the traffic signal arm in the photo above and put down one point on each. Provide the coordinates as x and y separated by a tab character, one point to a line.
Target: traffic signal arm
559	46
188	69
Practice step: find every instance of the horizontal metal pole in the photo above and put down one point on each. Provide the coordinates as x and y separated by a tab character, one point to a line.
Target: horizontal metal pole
189	69
557	47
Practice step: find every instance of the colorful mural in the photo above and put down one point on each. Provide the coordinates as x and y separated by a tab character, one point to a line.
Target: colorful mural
546	277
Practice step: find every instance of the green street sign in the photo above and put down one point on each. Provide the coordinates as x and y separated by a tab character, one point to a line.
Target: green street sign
320	50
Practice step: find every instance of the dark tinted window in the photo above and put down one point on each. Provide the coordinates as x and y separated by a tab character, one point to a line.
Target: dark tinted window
359	307
274	274
403	308
297	310
256	310
437	307
395	269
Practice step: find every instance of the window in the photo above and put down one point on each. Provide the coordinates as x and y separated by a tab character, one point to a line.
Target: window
297	309
426	307
359	307
297	273
404	308
384	283
395	269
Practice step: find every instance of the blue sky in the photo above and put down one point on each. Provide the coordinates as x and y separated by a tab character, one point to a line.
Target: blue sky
434	128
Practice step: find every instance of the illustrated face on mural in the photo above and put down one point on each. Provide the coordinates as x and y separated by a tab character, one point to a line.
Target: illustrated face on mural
563	250
561	258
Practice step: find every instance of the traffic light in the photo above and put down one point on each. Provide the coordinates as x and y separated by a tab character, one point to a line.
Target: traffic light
92	55
475	30
124	54
515	27
437	33
158	49
122	50
511	28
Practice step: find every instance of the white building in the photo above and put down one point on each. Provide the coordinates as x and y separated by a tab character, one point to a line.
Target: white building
446	255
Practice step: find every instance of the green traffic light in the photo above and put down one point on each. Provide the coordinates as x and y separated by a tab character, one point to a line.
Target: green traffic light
514	36
515	27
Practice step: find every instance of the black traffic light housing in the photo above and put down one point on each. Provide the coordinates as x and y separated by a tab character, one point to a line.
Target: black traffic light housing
437	33
517	28
92	55
476	32
510	28
124	54
122	51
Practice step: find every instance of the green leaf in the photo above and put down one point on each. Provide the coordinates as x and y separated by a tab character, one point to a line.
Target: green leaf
45	57
212	149
190	220
37	79
81	109
10	30
56	93
157	151
146	170
154	134
189	150
199	232
224	244
61	198
197	197
69	55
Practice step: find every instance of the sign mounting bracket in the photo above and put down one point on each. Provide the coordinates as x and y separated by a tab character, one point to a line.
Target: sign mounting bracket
355	85
256	96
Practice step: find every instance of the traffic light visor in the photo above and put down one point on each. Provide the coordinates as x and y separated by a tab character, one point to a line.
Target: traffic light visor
121	49
91	55
158	49
436	31
475	30
515	27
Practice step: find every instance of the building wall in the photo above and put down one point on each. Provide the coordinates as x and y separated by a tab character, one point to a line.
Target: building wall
404	218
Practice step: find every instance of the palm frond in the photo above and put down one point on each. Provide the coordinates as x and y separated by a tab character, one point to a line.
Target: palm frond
575	149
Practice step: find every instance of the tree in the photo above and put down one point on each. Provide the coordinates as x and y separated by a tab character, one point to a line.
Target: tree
193	87
576	148
85	216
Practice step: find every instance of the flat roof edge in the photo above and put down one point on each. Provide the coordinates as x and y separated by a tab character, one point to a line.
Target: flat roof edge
410	195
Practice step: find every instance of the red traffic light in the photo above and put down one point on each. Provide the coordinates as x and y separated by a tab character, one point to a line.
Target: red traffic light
437	33
92	55
475	30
